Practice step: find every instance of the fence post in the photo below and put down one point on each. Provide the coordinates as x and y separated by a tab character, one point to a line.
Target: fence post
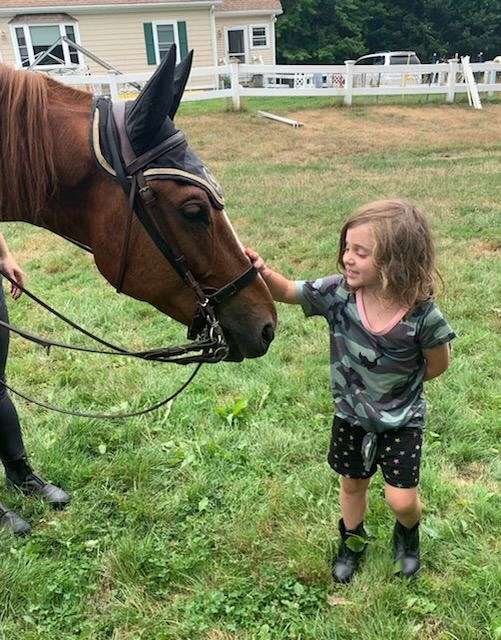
348	82
492	80
485	77
451	80
235	84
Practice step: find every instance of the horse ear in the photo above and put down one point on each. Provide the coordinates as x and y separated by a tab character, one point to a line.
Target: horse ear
151	108
181	76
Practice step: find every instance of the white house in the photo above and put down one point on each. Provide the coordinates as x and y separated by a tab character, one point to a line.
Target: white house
134	35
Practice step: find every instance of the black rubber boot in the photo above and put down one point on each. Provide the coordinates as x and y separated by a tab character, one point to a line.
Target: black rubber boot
10	520
406	549
347	560
20	476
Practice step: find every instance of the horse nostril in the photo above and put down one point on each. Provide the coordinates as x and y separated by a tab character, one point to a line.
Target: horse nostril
268	333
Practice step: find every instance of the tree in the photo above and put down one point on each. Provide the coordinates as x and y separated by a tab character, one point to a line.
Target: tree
320	31
331	31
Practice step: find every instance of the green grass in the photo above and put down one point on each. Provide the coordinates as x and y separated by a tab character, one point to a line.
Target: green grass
188	524
291	103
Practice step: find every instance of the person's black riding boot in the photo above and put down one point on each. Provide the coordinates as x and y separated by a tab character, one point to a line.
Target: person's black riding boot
406	549
11	520
20	476
347	560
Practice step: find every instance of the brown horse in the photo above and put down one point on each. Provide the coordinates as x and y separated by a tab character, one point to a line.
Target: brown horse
52	176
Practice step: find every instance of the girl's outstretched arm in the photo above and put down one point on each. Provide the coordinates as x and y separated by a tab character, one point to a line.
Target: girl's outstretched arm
281	289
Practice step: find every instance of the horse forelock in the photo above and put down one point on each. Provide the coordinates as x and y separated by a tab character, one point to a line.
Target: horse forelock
27	170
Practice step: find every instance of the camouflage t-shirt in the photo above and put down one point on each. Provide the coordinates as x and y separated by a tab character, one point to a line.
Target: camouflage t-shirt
376	379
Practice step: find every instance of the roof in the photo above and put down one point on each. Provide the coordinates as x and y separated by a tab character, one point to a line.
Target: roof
222	5
69	4
42	17
250	5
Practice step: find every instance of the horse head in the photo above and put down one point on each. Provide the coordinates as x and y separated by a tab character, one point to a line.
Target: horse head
139	139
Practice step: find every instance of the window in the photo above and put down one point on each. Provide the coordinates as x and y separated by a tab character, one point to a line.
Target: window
42	38
259	36
160	37
373	60
404	59
236	44
33	40
22	47
70	34
165	39
165	35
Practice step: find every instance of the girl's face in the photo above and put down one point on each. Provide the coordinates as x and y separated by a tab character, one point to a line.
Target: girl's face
358	258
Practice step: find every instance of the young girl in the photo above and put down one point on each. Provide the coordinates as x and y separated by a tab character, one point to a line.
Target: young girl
387	337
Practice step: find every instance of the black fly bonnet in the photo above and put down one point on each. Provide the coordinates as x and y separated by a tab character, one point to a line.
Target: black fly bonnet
172	159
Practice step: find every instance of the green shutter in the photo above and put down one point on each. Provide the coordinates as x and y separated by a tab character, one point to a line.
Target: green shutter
149	42
183	39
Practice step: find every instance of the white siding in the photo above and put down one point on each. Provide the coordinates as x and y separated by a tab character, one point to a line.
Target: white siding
6	49
222	24
118	38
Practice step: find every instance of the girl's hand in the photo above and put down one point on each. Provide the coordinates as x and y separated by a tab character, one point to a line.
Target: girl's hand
257	262
9	265
281	289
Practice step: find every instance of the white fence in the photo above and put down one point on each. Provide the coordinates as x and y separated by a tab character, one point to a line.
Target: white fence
239	80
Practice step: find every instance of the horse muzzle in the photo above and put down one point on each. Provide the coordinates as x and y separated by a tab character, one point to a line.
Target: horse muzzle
247	337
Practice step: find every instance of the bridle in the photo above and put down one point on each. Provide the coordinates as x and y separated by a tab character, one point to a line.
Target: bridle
129	169
208	344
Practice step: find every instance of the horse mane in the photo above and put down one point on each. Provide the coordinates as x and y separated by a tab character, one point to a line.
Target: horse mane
27	168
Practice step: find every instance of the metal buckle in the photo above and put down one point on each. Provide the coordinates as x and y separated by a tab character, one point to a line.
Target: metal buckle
147	194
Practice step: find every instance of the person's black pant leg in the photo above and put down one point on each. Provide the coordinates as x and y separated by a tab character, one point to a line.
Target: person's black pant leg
11	441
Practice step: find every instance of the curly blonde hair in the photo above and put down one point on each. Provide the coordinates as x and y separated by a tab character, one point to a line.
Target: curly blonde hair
404	251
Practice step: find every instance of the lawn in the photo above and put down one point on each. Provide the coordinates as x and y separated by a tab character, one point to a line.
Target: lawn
216	519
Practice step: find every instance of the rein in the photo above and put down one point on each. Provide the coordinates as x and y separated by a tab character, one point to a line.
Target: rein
169	354
177	354
208	343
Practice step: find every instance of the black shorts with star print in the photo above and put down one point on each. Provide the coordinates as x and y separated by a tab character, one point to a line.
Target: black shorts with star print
398	453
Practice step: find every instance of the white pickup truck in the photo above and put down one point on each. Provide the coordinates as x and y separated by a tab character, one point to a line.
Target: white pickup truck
378	78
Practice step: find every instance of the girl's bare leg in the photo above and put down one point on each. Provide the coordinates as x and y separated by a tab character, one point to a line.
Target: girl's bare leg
405	504
353	500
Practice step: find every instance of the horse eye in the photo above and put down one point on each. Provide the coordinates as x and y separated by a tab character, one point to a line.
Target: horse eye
196	212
